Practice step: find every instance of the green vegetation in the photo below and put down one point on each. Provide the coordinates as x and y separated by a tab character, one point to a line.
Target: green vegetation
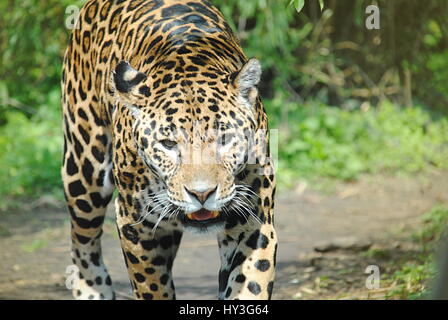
409	270
412	279
34	246
33	38
30	154
320	141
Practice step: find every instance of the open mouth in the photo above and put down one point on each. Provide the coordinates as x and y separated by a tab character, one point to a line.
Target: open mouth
202	218
202	215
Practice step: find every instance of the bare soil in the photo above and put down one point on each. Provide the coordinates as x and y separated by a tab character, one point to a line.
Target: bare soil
323	238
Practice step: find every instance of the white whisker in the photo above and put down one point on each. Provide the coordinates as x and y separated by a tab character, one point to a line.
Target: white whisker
242	202
155	199
162	215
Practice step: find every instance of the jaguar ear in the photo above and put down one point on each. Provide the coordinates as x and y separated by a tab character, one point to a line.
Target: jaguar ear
129	84
246	81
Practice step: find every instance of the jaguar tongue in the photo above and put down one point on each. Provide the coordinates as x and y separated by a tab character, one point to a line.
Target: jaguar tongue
203	214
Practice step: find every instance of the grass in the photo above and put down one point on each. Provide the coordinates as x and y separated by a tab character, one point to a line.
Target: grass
415	272
34	246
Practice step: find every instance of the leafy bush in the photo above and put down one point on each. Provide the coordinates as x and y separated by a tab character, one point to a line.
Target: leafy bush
33	39
321	141
30	153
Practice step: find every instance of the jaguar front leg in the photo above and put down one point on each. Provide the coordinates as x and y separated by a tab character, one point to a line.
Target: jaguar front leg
149	254
248	264
87	206
248	249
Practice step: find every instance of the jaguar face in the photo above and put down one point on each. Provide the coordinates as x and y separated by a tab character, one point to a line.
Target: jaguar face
196	140
198	166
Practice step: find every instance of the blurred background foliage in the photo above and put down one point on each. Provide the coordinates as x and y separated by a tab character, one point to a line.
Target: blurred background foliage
346	100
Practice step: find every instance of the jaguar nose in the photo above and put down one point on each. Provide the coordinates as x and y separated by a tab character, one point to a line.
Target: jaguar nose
201	196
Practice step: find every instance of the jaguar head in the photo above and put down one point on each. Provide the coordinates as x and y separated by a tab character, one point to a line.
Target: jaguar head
196	136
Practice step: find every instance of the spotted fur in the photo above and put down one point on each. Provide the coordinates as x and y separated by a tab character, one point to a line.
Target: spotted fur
142	80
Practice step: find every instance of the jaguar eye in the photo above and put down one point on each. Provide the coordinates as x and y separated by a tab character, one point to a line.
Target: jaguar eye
168	144
226	139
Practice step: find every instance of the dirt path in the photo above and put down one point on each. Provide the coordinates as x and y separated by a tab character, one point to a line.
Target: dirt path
34	244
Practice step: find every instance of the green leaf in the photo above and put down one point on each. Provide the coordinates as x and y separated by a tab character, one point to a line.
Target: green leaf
298	4
321	3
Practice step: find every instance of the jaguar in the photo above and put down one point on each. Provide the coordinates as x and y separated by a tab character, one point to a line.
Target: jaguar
161	104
